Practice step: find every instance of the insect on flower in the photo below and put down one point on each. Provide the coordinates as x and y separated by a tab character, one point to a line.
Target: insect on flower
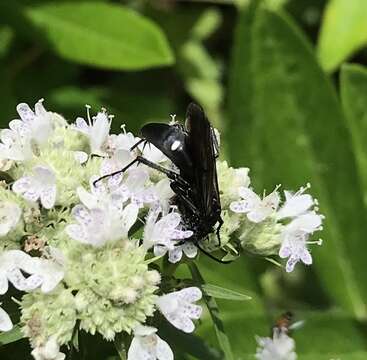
192	147
285	323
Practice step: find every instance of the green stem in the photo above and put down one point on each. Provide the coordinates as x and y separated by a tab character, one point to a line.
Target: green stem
214	313
120	345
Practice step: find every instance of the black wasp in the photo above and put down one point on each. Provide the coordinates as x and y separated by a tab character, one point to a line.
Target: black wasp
192	147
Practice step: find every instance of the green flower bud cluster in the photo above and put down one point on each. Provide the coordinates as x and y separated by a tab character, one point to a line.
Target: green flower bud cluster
46	315
115	288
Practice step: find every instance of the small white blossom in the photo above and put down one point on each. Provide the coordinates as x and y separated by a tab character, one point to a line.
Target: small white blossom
295	239
163	193
42	272
5	321
32	126
9	216
296	203
116	162
124	141
97	226
280	347
102	196
14	145
163	234
41	185
175	255
147	345
49	351
257	209
97	130
178	308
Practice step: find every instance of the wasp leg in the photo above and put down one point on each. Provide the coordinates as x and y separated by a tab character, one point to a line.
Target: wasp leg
211	256
221	222
137	144
172	175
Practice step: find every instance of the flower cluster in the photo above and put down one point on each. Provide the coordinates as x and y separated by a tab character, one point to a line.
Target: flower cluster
84	247
279	347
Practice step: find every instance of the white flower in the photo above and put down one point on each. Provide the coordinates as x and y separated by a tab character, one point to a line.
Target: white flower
97	226
178	308
5	321
280	347
42	185
163	193
15	144
33	126
296	203
9	216
96	130
139	193
164	232
42	272
49	351
175	255
118	161
295	239
147	345
257	209
124	141
102	196
39	121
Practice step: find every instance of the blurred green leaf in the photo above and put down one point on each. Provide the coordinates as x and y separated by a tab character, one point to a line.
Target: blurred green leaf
330	333
102	35
214	314
286	123
343	31
207	24
6	36
219	292
354	98
13	335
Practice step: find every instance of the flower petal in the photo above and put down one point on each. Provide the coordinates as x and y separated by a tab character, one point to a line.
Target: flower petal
25	112
190	294
306	257
175	255
4	284
163	350
241	206
48	197
5	321
137	350
189	249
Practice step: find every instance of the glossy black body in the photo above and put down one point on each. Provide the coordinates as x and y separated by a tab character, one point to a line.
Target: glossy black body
192	148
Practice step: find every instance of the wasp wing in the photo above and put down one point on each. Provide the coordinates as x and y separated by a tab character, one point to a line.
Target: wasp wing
201	146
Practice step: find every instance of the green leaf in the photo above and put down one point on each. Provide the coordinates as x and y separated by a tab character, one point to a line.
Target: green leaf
223	293
354	98
102	35
214	313
343	31
207	24
13	335
6	36
286	123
